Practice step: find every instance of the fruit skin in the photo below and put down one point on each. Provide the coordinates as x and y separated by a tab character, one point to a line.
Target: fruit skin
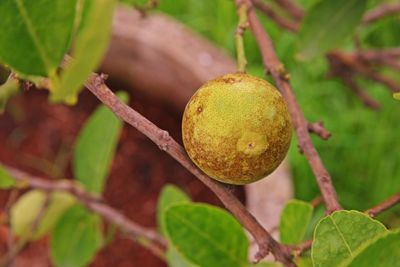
236	128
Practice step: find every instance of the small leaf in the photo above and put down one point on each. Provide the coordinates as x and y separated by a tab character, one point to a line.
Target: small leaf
25	212
89	47
206	235
35	35
327	25
6	181
340	234
7	90
383	251
96	146
76	238
396	96
294	221
169	195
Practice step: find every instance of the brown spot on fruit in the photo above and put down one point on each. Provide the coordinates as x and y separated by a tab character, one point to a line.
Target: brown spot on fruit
229	80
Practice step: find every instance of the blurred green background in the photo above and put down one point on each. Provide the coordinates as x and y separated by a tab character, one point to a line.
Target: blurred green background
363	154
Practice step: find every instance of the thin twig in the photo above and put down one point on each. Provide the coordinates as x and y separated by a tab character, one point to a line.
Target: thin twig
380	12
276	69
316	201
302	247
153	241
351	62
319	129
293	9
342	71
165	142
386	204
377	54
281	21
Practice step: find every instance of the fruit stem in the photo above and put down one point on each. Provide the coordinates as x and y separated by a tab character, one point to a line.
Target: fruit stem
242	25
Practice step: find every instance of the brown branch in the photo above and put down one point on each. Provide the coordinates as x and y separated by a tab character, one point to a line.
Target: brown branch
276	69
378	54
345	73
351	62
281	21
293	9
165	142
152	240
380	12
319	129
386	204
316	201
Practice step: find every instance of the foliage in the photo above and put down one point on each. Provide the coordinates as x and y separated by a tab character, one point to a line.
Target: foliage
295	218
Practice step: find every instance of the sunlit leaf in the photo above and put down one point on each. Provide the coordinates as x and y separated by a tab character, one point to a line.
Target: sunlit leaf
76	238
340	234
295	218
35	35
206	235
90	44
96	146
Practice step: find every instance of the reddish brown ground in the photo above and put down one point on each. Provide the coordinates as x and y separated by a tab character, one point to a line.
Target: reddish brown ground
34	135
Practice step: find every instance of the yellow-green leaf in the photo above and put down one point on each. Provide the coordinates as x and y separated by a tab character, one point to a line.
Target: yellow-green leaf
90	44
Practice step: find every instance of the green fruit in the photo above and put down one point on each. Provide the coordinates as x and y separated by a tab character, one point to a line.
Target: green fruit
236	128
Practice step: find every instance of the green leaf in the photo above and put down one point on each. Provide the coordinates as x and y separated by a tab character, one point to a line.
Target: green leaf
25	212
294	221
76	238
327	25
89	47
6	181
7	90
396	96
340	234
169	195
383	251
96	146
206	235
35	35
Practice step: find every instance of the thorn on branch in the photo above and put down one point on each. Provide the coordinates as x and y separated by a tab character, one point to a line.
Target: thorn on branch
319	129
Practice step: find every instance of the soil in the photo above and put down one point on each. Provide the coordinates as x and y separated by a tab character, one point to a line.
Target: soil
38	137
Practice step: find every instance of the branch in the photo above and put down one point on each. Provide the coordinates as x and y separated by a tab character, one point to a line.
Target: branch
386	204
296	11
276	69
351	62
319	129
345	73
380	12
281	21
145	237
377	54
